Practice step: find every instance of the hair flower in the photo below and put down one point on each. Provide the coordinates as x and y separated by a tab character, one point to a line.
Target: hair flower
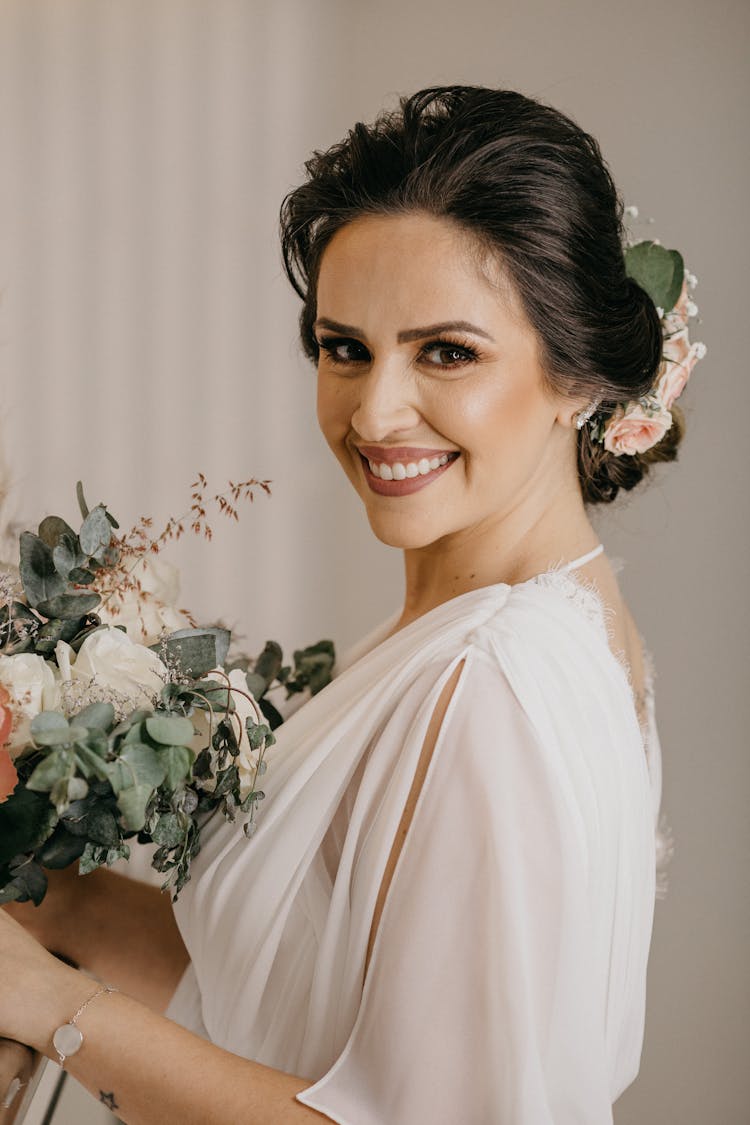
635	426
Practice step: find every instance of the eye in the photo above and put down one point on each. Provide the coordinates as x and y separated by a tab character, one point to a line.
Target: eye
342	350
447	353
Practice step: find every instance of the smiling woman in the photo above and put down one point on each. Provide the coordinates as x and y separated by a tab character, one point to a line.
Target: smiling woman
445	913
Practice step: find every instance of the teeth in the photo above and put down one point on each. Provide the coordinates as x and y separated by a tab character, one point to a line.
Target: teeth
399	471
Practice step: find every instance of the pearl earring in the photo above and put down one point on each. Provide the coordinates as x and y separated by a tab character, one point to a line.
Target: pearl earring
583	416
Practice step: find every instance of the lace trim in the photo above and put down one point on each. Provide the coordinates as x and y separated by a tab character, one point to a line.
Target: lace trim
584	593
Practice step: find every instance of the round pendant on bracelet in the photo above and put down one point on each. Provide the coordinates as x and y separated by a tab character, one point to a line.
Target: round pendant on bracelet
67	1040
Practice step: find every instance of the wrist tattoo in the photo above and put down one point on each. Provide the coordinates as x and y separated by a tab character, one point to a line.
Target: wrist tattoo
108	1099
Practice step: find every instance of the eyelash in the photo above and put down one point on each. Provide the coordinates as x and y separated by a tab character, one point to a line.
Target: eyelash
329	344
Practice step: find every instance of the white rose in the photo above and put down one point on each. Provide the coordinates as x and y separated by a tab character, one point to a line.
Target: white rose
148	612
110	660
33	685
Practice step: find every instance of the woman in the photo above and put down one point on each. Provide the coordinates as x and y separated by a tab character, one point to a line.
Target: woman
446	911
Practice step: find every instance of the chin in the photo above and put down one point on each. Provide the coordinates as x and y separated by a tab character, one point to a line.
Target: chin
402	533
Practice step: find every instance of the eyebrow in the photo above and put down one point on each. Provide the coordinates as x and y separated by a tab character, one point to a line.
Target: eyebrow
408	334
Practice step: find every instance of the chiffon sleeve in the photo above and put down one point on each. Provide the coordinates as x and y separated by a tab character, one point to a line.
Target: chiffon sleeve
486	998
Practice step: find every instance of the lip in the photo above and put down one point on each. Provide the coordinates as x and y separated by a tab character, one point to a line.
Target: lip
409	484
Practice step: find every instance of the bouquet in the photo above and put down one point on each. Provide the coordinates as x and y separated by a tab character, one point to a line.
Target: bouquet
123	720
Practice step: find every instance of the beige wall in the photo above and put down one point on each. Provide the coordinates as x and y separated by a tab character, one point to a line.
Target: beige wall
146	332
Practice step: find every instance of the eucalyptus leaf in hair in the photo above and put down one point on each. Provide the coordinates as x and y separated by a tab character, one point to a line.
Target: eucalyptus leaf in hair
657	270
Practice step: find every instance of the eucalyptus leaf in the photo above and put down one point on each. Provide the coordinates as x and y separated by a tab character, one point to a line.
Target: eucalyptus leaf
38	575
256	685
47	723
132	803
137	765
96	532
92	764
177	761
195	651
659	271
169	831
28	875
270	662
26	820
81	500
52	529
81	576
170	730
102	826
67	554
61	849
51	769
69	605
52	632
97	716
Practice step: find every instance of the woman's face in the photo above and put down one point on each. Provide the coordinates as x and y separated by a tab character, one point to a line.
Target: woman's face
430	388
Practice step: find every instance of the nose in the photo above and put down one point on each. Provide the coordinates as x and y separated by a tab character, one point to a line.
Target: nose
386	401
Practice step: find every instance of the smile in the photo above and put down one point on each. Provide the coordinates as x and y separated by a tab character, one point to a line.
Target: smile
400	478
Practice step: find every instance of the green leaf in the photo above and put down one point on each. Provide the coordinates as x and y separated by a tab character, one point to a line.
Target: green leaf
61	849
52	632
256	685
170	730
93	856
137	765
270	662
29	879
52	529
169	831
51	769
69	605
132	803
50	728
177	762
67	555
91	763
193	650
97	716
102	828
38	575
26	819
96	532
659	271
81	500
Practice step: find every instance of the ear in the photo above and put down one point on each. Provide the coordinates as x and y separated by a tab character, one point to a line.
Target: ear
569	410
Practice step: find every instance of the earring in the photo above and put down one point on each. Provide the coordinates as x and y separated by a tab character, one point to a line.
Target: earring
583	416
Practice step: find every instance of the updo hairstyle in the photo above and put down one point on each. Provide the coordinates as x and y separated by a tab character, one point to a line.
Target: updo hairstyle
534	189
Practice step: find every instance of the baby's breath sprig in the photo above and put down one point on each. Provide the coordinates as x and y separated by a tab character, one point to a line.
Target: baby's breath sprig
140	541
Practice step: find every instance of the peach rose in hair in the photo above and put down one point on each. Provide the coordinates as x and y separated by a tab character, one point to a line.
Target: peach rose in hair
635	428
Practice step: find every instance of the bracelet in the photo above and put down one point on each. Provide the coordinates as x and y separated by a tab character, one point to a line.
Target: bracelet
68	1038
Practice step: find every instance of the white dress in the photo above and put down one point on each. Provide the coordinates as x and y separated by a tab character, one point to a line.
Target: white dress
507	979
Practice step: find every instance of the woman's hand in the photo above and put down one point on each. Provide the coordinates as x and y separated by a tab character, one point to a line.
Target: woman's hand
16	1068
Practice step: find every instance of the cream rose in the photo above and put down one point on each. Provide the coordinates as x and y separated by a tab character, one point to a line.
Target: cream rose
148	612
108	659
33	685
635	429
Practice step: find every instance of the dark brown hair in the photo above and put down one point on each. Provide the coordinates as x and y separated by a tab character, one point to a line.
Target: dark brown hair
534	189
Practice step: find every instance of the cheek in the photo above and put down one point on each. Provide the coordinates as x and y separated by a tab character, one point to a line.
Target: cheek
333	410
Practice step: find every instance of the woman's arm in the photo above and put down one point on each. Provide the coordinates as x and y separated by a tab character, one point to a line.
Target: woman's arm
118	929
145	1067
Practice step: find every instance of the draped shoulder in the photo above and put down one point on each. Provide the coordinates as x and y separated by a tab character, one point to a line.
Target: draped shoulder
507	977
